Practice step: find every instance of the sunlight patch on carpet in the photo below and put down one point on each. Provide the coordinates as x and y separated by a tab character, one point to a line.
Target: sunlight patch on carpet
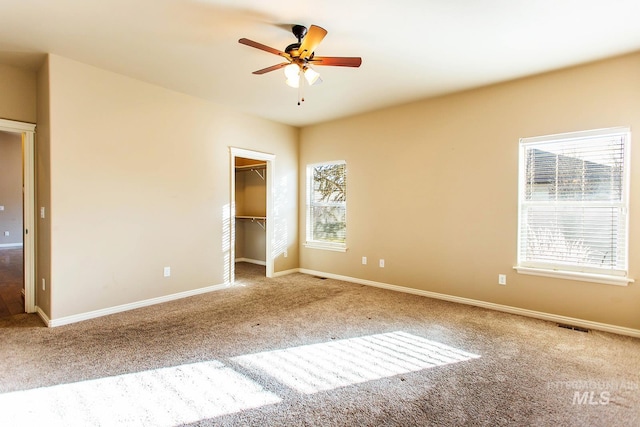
161	397
326	366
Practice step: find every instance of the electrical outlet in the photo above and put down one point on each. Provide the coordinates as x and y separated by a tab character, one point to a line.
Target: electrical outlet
42	212
502	279
44	284
286	254
381	263
6	233
364	260
167	271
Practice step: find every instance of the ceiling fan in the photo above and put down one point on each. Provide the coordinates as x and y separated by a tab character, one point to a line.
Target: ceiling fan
301	55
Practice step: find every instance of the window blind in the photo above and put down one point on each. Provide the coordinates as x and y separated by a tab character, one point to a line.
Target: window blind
327	203
573	202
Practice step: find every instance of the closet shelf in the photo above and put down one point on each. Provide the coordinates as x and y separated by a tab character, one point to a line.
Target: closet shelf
257	168
250	167
260	220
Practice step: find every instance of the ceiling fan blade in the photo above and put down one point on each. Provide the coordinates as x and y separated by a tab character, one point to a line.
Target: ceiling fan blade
264	47
340	61
272	68
311	41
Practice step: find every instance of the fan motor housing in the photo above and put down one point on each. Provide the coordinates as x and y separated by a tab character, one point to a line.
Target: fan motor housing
293	49
299	31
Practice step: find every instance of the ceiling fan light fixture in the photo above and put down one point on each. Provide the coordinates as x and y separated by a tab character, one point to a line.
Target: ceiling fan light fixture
292	73
312	76
294	83
300	55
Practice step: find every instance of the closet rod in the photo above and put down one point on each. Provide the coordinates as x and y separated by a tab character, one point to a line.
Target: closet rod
260	220
254	168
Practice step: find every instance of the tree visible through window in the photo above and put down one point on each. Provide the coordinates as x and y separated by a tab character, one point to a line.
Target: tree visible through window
573	202
327	205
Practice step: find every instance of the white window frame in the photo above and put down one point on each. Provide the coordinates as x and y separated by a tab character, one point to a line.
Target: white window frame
310	242
558	270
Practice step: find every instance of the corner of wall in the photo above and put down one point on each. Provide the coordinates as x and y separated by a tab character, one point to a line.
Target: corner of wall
43	190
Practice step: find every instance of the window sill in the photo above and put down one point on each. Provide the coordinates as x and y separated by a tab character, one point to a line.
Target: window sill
326	247
575	275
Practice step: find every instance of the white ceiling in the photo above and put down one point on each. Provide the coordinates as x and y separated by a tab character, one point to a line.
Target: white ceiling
411	49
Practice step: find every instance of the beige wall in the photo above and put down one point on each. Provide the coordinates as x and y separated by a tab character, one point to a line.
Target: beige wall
139	180
11	188
43	191
17	94
432	188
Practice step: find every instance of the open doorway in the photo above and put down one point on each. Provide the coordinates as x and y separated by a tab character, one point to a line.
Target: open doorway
251	210
11	253
17	200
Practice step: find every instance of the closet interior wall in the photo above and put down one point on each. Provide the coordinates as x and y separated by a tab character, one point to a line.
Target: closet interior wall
251	208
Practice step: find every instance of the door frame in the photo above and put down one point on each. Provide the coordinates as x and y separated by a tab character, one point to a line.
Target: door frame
270	160
27	130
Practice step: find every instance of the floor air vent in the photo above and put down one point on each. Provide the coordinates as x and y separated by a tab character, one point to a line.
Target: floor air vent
575	328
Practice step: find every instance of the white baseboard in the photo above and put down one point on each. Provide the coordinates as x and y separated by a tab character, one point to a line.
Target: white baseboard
477	303
621	330
126	307
286	272
43	316
251	261
10	245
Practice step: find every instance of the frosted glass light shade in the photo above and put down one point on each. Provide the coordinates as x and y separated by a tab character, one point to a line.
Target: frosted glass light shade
312	76
292	73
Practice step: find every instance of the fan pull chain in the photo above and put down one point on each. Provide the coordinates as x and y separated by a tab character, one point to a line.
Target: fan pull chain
300	87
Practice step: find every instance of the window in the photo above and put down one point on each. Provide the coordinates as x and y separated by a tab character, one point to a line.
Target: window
573	211
327	205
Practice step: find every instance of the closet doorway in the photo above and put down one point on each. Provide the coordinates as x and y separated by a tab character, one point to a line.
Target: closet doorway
24	133
251	209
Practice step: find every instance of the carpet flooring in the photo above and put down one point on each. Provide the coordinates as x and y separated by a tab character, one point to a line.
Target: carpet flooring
304	351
